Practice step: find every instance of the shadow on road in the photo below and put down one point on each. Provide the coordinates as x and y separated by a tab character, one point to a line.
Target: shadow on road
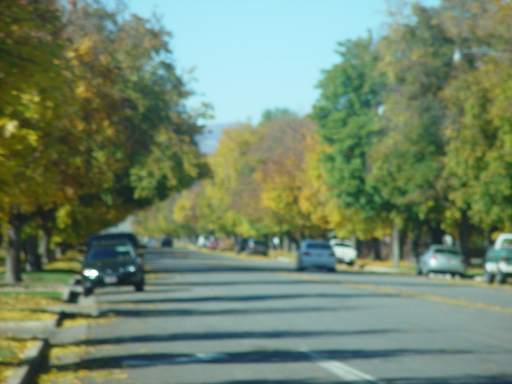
252	357
222	312
250	298
232	336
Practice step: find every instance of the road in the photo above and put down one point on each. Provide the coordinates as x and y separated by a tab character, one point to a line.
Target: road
207	318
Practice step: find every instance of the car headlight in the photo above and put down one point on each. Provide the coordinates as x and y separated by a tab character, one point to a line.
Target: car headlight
131	268
91	273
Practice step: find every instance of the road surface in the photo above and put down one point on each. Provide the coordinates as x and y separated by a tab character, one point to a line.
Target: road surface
207	318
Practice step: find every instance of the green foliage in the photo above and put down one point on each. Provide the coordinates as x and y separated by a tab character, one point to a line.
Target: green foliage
346	114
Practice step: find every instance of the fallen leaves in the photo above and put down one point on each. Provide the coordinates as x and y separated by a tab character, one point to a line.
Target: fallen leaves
12	353
26	307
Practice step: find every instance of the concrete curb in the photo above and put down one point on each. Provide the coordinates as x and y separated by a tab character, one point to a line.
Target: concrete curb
34	358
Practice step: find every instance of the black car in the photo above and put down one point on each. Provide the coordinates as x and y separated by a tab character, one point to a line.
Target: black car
98	239
114	263
166	241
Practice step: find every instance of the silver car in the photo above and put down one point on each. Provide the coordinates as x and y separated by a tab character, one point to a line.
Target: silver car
442	259
314	253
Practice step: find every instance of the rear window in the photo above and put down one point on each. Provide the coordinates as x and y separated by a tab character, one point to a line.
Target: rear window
446	250
118	253
341	245
318	246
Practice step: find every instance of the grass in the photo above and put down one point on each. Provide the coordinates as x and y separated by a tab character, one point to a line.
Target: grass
28	306
12	354
31	299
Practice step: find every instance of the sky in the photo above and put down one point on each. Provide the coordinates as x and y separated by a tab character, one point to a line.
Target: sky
252	55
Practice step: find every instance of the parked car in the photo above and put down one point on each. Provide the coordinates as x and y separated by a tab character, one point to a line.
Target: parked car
256	247
442	259
167	241
314	253
498	260
343	251
112	263
201	241
120	236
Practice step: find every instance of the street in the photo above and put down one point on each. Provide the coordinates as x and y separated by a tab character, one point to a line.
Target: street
207	318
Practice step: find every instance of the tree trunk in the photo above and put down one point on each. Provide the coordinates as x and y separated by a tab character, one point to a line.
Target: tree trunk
32	257
416	237
46	226
13	265
286	242
376	249
396	245
464	233
436	234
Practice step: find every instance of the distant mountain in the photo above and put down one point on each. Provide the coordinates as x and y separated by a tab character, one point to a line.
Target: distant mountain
209	140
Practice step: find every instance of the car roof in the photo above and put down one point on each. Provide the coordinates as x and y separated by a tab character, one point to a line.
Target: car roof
114	235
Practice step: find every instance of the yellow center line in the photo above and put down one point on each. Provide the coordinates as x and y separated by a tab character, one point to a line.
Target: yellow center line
400	292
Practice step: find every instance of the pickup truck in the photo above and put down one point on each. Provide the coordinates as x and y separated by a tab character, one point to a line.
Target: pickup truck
498	260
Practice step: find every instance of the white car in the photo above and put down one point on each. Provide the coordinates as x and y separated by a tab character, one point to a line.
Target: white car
313	253
344	251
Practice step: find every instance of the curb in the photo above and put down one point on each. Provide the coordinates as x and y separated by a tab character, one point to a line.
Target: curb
35	356
28	372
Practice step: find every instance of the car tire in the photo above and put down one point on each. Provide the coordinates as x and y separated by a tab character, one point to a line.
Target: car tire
350	263
331	270
419	272
88	291
501	278
139	287
488	277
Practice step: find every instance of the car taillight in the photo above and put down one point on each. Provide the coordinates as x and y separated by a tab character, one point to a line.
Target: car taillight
306	254
504	259
251	246
433	257
331	254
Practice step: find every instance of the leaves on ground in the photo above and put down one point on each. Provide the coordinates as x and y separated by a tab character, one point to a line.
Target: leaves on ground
12	353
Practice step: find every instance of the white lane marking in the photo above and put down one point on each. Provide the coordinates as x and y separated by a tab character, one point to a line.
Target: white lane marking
180	360
343	371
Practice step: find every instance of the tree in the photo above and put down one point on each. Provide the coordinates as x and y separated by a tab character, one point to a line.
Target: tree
478	131
346	115
407	161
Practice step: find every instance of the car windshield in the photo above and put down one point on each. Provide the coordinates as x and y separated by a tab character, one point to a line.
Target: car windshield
117	253
446	250
318	246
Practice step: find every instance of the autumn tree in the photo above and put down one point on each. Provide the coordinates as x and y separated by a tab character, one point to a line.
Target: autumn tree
346	114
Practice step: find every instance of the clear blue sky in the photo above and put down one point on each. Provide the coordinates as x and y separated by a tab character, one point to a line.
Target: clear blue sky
251	55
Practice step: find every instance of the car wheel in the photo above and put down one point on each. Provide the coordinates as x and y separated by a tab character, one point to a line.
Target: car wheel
419	272
457	276
88	291
331	270
501	278
350	263
488	277
139	287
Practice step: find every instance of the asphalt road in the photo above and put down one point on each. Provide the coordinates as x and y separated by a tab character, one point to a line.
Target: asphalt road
211	319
